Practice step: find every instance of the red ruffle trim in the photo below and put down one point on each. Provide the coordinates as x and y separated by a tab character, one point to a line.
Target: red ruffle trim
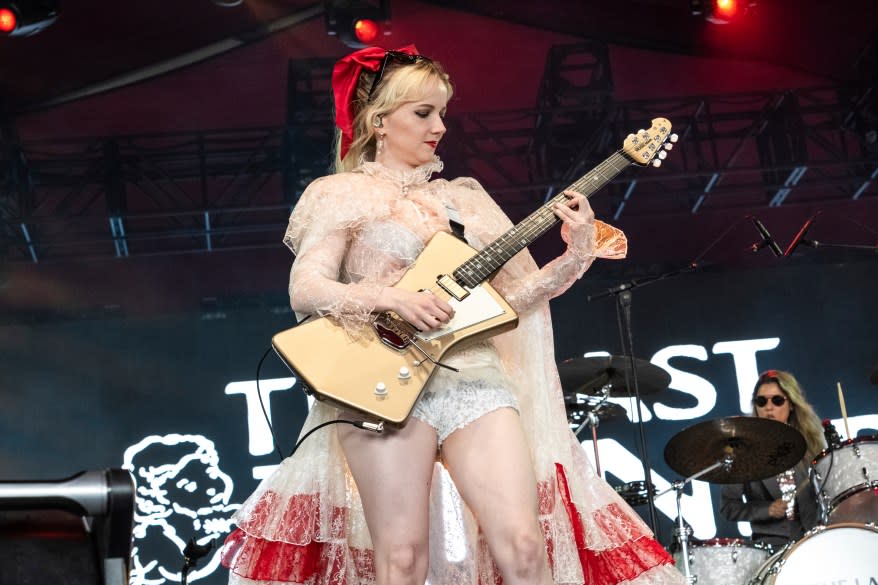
336	563
611	566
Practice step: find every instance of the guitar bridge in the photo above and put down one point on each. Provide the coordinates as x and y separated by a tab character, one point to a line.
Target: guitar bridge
393	331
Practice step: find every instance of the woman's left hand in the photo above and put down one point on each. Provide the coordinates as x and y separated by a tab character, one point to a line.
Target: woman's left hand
578	216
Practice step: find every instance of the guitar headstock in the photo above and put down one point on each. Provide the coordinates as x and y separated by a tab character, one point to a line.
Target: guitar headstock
650	146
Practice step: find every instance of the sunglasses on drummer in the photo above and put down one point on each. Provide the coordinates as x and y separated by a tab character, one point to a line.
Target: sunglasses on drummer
403	58
776	400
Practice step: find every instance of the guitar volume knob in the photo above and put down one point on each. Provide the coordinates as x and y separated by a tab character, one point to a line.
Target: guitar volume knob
404	373
380	390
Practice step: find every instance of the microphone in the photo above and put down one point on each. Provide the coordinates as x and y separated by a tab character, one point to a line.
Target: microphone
767	240
800	237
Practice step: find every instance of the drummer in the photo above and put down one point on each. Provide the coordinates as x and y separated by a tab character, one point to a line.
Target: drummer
780	508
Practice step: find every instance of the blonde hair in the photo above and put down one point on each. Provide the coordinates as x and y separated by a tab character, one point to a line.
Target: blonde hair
802	415
400	84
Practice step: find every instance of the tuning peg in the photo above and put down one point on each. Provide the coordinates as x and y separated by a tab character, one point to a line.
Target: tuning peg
656	162
662	154
674	137
668	146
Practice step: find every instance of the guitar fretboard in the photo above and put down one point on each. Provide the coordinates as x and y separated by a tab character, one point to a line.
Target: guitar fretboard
489	260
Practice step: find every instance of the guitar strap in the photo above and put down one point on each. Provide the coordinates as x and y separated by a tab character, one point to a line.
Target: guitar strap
457	227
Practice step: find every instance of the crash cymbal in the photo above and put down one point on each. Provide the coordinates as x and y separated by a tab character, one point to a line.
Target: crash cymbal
590	375
579	406
759	448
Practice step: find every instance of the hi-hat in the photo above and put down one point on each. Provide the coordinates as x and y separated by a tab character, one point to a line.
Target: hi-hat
592	374
758	448
579	407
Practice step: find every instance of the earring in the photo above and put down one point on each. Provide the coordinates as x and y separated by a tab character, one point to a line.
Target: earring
379	147
378	122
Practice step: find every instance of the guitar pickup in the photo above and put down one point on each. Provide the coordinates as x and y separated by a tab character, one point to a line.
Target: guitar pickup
450	286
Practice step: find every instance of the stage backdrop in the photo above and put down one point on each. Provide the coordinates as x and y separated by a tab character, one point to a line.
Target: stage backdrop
173	397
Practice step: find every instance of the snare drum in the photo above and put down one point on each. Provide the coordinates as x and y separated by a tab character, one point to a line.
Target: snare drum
849	480
723	561
839	553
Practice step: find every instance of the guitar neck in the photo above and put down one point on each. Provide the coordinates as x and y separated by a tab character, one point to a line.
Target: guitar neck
485	263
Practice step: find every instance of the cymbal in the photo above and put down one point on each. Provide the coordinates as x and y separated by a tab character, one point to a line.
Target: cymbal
578	410
759	447
590	375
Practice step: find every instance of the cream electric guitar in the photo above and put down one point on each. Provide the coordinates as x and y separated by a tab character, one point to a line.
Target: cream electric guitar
381	375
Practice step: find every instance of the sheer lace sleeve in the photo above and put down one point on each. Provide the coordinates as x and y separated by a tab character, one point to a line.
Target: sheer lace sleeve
320	230
521	282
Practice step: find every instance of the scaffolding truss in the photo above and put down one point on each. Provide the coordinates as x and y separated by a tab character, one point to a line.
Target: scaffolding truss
232	189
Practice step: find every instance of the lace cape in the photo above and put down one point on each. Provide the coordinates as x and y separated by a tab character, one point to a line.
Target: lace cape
305	524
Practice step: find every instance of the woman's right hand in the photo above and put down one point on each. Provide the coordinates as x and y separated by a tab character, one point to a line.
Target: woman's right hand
778	509
424	310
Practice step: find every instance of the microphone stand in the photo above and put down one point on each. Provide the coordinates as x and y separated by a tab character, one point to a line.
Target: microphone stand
623	314
623	309
800	240
816	244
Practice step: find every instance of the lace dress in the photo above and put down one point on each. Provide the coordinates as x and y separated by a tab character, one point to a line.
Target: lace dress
353	234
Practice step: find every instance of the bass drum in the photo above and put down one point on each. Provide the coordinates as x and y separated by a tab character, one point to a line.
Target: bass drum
838	553
723	561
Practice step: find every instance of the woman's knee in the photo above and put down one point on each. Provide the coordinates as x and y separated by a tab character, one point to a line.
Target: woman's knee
525	551
405	562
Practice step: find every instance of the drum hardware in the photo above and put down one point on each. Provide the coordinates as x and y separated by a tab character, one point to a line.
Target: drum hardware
759	448
734	449
584	410
611	376
635	493
683	531
822	505
616	376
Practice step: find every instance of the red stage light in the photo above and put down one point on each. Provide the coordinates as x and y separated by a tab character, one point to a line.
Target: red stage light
8	21
726	9
366	30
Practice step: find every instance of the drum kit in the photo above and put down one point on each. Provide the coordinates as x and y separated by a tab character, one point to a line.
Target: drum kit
842	548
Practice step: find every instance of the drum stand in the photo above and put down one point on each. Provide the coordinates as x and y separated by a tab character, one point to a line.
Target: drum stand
817	484
682	531
592	420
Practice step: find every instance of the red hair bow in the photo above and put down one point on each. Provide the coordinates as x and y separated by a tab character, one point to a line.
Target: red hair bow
344	86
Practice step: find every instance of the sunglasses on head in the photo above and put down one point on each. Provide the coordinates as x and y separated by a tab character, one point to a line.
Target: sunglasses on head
403	58
776	400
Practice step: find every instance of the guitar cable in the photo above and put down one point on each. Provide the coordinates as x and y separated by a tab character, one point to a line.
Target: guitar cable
360	424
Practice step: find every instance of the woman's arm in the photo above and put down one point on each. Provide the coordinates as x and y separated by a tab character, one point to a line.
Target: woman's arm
315	288
586	239
734	508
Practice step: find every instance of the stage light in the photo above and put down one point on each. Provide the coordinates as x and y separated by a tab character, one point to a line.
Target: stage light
724	11
366	30
26	17
357	23
8	21
721	11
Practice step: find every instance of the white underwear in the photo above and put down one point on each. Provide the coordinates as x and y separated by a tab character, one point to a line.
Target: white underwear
453	407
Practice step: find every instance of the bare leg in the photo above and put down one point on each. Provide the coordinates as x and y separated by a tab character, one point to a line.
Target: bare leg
491	466
393	472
